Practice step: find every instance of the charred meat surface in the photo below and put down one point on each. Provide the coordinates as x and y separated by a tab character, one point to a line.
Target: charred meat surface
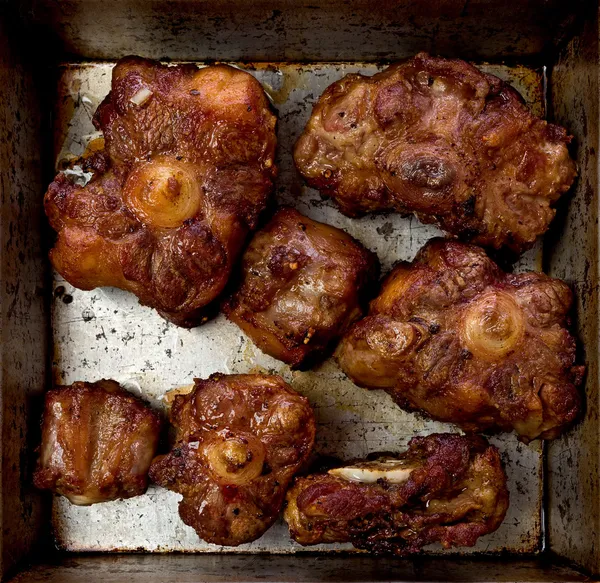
98	441
443	140
445	488
187	167
453	336
240	440
303	284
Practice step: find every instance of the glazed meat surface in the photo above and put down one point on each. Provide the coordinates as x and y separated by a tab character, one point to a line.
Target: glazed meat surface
240	440
98	441
445	488
303	284
443	140
186	169
453	336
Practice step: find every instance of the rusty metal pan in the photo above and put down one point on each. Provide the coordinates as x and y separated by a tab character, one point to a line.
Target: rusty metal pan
555	510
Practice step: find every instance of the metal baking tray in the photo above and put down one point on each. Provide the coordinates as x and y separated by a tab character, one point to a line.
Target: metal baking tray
53	333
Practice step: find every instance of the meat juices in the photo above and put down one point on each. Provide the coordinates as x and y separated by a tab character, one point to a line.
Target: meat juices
187	167
445	488
97	443
240	439
303	284
443	140
456	338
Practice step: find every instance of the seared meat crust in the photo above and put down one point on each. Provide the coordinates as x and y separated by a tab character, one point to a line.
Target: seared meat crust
187	167
439	138
454	337
455	494
97	443
304	283
240	440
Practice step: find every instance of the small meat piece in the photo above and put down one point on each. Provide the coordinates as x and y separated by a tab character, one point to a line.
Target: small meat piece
445	488
98	441
186	169
240	440
443	140
304	283
453	336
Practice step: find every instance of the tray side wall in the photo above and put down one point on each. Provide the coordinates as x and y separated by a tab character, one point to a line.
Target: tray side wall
573	460
23	318
284	569
302	30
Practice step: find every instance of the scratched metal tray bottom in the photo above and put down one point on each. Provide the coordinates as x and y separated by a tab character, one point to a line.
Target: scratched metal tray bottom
106	334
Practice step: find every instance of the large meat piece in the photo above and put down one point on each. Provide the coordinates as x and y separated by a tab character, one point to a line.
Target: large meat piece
439	138
240	439
445	488
187	167
453	336
303	284
98	441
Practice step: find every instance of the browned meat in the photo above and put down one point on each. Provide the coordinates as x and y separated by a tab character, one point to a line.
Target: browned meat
97	443
240	440
186	170
303	284
454	337
445	488
441	139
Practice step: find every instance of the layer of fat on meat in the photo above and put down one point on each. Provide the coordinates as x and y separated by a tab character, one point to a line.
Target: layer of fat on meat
394	471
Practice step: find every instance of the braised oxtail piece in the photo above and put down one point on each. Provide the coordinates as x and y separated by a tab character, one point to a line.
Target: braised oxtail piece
441	139
239	441
445	488
454	337
187	167
98	441
303	284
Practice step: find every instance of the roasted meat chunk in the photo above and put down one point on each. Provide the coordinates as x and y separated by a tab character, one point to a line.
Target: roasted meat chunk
453	336
303	284
187	167
443	140
445	488
98	441
239	441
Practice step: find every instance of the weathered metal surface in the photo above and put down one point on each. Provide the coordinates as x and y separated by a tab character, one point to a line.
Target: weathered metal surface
574	460
23	317
311	569
302	30
106	333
